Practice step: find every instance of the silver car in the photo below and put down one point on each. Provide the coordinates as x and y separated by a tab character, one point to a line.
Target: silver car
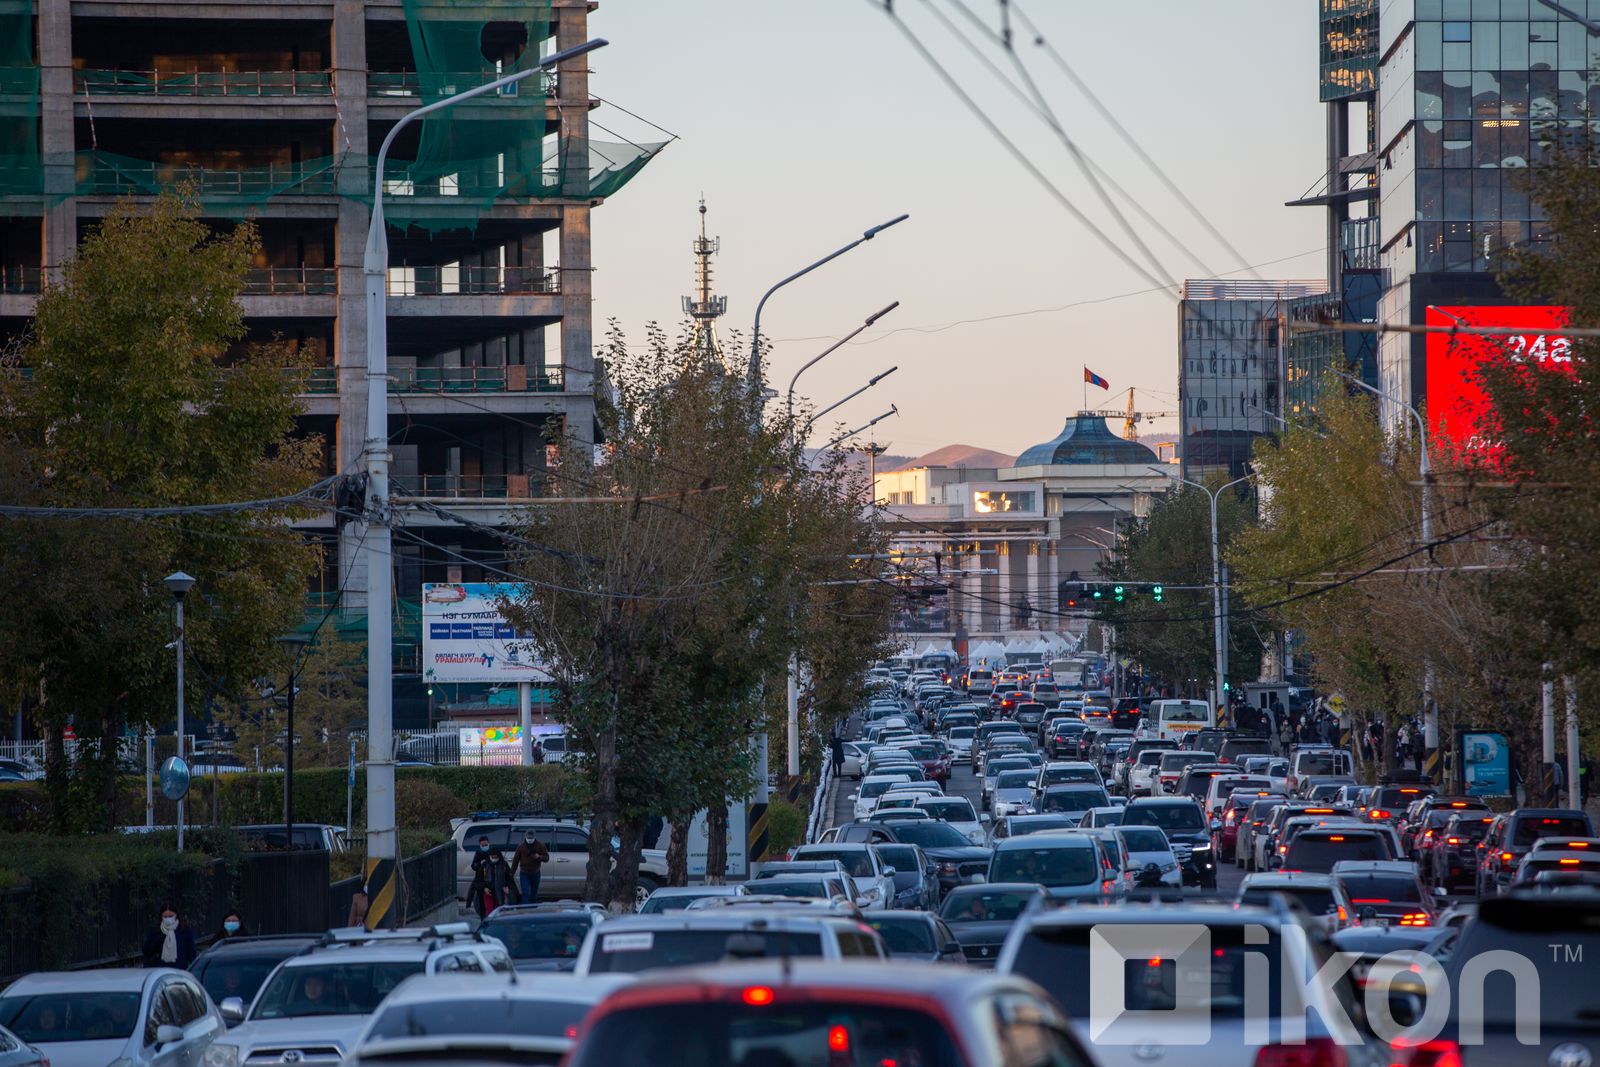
155	1017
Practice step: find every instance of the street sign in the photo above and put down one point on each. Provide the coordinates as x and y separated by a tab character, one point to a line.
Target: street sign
174	778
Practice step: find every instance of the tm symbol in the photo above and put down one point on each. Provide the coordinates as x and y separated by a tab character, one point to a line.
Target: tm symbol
1560	953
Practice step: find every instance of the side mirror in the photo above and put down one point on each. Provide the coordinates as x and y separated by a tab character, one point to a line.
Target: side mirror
951	948
890	871
984	817
232	1010
1438	891
852	796
166	1035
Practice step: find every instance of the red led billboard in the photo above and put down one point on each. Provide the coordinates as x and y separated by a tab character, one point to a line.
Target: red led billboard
1455	398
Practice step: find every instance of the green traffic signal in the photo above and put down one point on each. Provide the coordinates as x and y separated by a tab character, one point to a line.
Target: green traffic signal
1098	593
1156	593
1118	593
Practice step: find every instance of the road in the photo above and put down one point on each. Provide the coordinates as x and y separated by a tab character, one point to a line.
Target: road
965	784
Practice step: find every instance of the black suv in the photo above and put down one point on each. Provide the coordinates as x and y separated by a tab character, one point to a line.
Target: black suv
237	966
1186	829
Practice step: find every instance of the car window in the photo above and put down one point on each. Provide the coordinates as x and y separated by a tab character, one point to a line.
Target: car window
162	1013
640	950
1051	865
1031	1034
499	835
1531	829
564	840
97	1015
188	1002
1166	816
857	862
331	988
498	961
460	962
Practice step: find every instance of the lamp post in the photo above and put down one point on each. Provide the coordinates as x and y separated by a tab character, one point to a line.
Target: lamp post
874	380
294	644
1430	711
178	584
754	378
830	350
1218	618
382	851
894	409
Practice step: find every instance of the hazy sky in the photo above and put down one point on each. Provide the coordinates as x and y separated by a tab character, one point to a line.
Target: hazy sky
805	121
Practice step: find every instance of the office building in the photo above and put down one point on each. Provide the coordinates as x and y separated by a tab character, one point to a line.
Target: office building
273	110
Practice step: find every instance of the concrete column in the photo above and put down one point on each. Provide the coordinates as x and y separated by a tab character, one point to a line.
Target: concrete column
577	323
349	62
57	135
1003	595
572	29
1035	599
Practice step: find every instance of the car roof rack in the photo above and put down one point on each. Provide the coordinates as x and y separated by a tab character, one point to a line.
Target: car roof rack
439	933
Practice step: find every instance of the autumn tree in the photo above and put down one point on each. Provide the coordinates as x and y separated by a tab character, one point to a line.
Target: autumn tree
330	703
135	390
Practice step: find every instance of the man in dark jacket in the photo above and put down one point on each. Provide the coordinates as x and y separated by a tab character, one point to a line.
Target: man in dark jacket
526	862
492	885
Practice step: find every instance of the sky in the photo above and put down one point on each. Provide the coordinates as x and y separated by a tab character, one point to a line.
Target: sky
804	123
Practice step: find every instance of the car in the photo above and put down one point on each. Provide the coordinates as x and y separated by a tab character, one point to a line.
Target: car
236	966
542	937
1012	793
1224	786
916	876
307	835
771	1015
957	813
872	879
819	886
435	1017
1146	846
1180	819
1320	847
1171	768
15	1052
1552	861
1065	862
959	862
1389	800
916	935
1268	842
634	943
1022	825
150	1017
676	898
1225	833
1322	895
1513	834
993	764
565	874
873	786
1110	815
1250	825
1061	739
982	915
1214	1025
1143	771
1072	800
1196	780
1313	761
960	740
1453	859
1385	892
855	753
1057	772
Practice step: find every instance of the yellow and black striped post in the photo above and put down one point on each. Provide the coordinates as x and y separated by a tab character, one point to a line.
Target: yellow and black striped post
381	889
1549	791
757	844
1432	763
791	788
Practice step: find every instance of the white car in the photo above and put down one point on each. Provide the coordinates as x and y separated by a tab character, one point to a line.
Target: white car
873	879
958	813
149	1017
1149	844
960	740
1142	775
1012	793
873	786
855	759
1224	785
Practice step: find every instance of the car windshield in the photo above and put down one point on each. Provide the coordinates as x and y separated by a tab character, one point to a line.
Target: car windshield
1312	763
791	886
642	950
984	905
1166	816
1073	799
1032	824
1531	829
98	1015
1319	852
810	1033
1177	761
1183	713
929	833
331	989
1318	900
1144	839
857	863
950	810
1048	865
659	903
234	977
539	937
1014	780
543	1017
873	790
1056	775
906	935
902	858
961	733
1380	888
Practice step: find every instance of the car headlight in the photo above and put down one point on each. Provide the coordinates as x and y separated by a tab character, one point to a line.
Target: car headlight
222	1055
868	895
1200	847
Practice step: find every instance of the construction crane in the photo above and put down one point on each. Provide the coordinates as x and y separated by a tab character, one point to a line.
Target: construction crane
1131	418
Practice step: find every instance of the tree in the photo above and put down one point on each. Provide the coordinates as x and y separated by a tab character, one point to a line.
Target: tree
135	390
1175	639
330	702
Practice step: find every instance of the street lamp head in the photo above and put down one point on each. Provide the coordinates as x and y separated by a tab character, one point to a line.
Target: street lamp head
876	315
870	234
885	374
178	583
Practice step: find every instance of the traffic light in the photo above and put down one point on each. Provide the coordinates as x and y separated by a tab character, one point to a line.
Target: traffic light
1117	591
1156	593
1097	593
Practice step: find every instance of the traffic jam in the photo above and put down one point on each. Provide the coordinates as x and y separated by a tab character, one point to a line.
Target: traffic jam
1014	868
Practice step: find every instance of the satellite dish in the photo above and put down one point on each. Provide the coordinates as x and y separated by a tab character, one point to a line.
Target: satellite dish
174	778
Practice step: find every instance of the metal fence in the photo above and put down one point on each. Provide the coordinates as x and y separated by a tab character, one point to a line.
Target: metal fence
427	881
284	892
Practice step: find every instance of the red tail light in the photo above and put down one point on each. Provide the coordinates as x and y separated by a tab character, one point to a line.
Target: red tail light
1505	857
1452	840
1440	1052
1317	1052
1416	918
1378	813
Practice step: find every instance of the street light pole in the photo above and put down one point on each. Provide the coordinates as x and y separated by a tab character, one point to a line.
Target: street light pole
830	350
178	584
874	380
1430	710
894	409
382	841
294	644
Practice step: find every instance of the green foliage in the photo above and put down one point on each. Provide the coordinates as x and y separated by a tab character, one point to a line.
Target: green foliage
1175	639
330	701
141	393
786	825
420	805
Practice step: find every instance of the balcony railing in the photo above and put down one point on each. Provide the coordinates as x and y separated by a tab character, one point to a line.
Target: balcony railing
21	279
305	281
465	486
98	173
318	380
458	280
516	379
274	83
409	83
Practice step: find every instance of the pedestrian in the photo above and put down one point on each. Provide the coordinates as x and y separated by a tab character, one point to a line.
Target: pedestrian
492	885
526	862
836	750
230	927
482	855
170	943
538	752
359	902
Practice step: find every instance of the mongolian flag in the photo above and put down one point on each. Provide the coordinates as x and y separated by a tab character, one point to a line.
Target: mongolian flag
1092	378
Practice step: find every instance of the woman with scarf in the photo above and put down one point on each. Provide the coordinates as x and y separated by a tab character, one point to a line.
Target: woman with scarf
171	943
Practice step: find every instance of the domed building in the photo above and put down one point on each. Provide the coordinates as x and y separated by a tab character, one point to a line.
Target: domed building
1053	513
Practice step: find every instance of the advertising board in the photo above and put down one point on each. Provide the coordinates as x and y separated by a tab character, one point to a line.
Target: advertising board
1485	763
466	639
1455	397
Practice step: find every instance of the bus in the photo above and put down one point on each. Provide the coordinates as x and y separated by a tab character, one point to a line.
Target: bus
1169	720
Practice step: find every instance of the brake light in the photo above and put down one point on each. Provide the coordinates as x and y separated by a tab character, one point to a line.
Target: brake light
758	995
1317	811
1460	804
1336	837
1317	1052
1344	916
1416	918
1440	1052
1452	840
1569	863
1576	844
1377	813
1505	857
838	1039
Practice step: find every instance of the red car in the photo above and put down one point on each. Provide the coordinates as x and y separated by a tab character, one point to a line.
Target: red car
1225	839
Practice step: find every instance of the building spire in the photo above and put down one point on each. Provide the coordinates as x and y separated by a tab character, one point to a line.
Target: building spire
703	307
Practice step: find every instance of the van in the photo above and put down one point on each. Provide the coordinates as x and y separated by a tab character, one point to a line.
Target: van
980	681
1172	719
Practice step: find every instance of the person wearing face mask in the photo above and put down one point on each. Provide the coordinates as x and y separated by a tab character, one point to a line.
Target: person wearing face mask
170	943
492	886
480	857
231	926
531	855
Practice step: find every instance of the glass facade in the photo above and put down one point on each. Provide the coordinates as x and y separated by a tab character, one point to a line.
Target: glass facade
1310	355
1232	351
1349	48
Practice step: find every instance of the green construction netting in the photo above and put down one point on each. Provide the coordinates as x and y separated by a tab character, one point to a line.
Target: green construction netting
457	165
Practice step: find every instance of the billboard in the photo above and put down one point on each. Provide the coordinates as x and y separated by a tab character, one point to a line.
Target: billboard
1485	764
1455	398
466	639
737	839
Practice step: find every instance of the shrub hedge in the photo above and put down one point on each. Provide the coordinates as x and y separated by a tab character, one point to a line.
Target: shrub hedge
786	825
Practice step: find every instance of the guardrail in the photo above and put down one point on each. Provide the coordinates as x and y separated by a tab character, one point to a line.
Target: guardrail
253	83
21	279
409	83
314	380
459	280
819	803
512	379
306	281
